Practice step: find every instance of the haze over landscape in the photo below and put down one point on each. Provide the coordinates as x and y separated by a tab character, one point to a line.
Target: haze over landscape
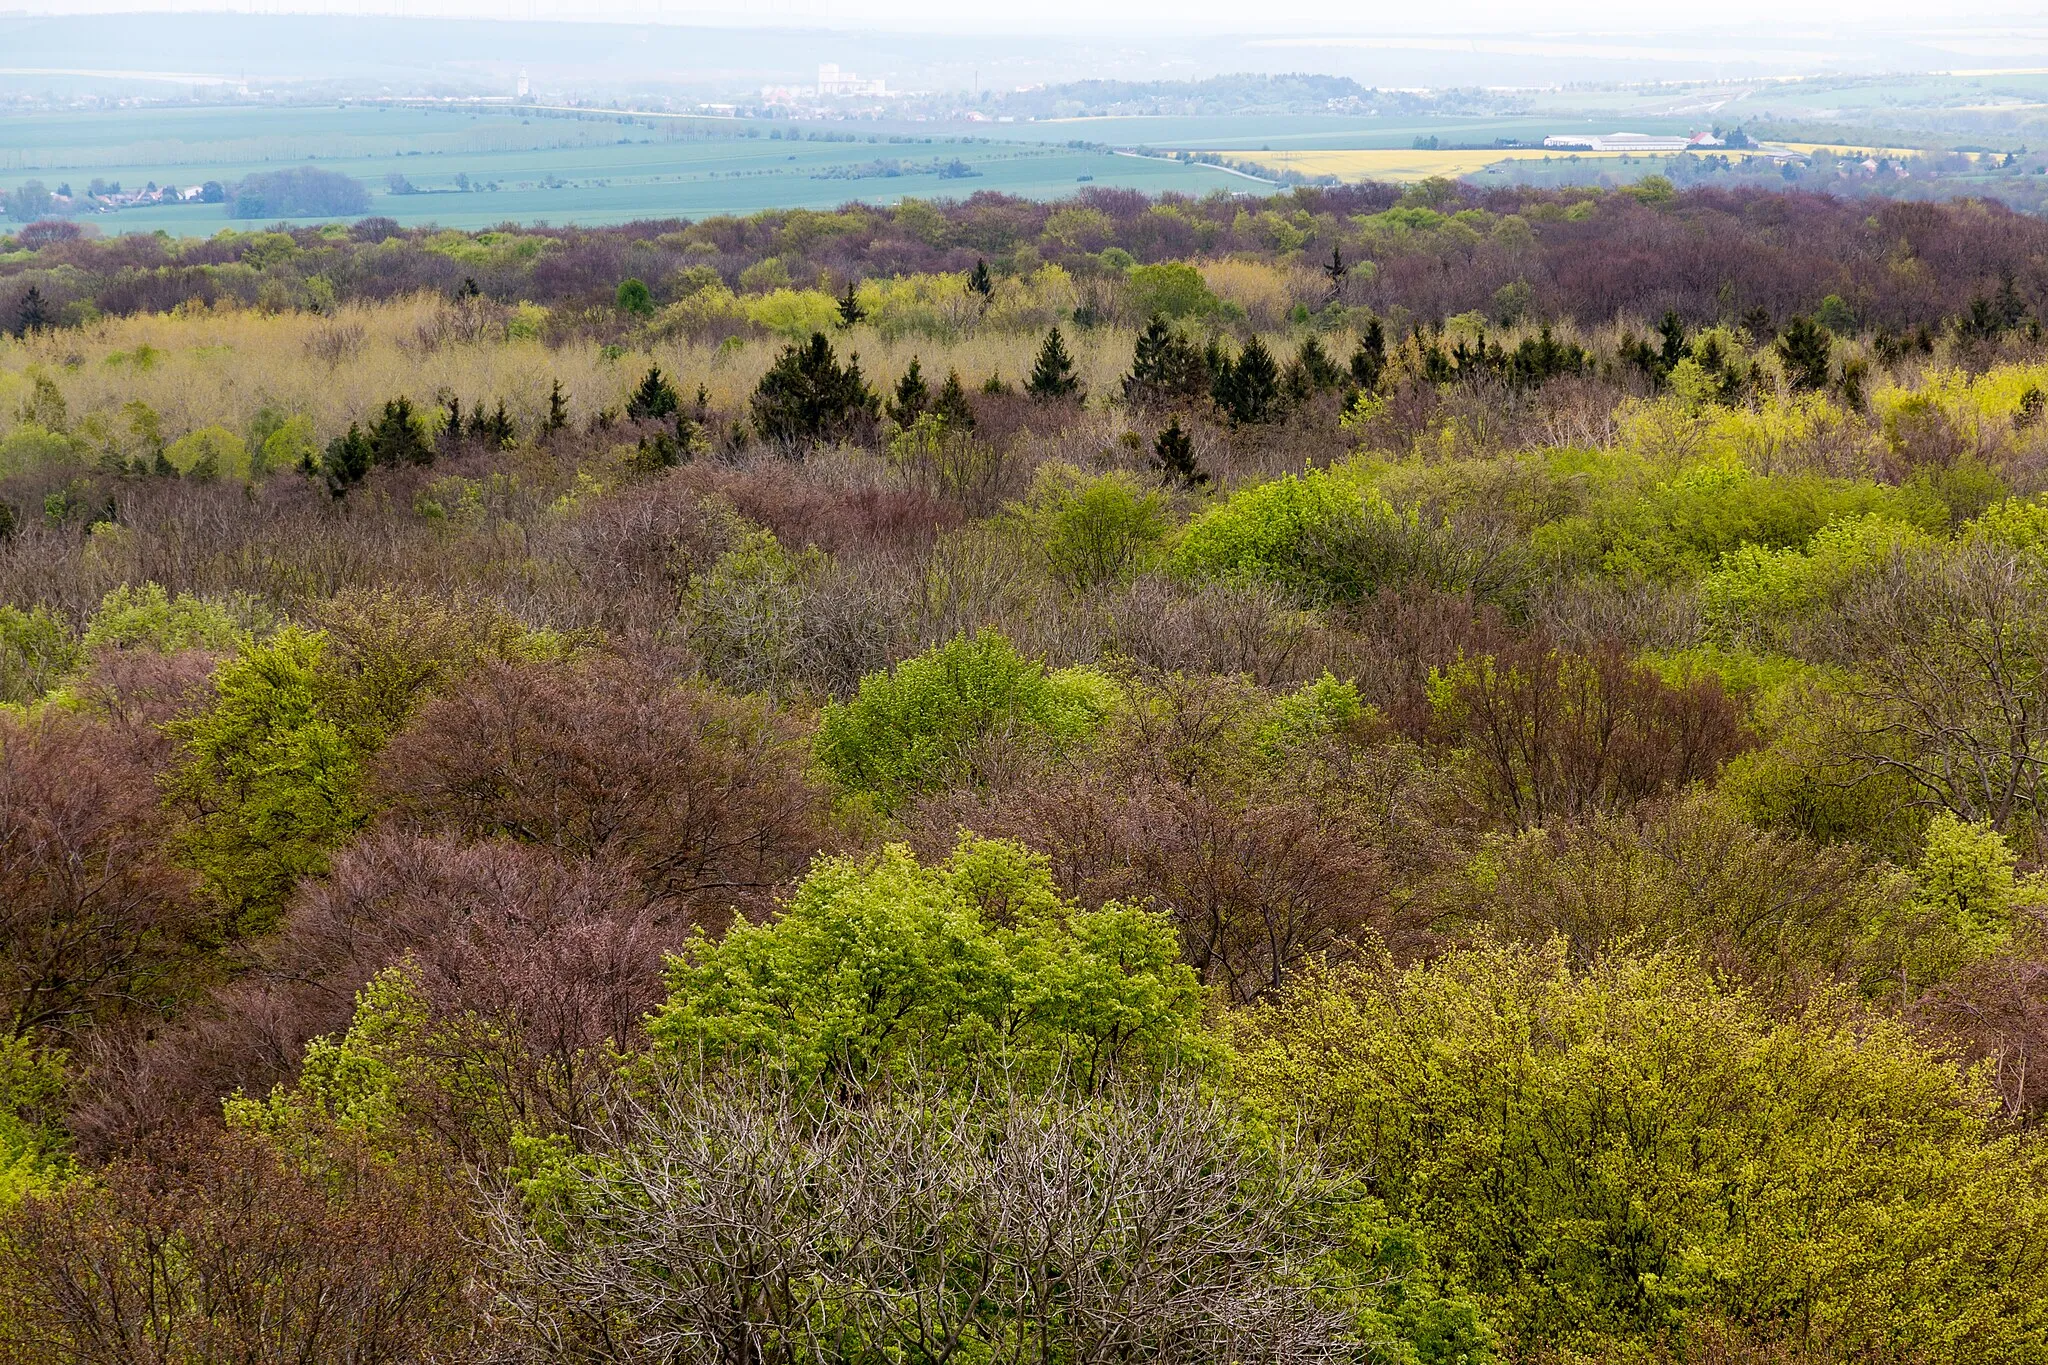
890	683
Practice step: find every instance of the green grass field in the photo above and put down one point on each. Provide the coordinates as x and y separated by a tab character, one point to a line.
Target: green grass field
558	169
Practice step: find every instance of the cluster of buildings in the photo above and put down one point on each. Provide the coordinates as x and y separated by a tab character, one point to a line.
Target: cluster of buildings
833	83
1634	142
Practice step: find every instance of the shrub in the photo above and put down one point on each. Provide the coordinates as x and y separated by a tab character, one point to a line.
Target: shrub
879	964
919	725
1171	289
147	617
1088	532
37	648
1320	536
1551	735
1611	1156
209	453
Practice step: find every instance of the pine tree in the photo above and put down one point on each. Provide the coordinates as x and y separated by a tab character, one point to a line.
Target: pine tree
1806	348
395	437
913	396
850	311
558	412
346	462
498	428
981	282
807	396
655	397
951	406
1672	349
451	430
1249	388
1369	358
33	315
1052	376
1311	371
1174	452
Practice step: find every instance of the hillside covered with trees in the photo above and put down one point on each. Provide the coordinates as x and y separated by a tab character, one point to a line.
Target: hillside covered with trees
1389	776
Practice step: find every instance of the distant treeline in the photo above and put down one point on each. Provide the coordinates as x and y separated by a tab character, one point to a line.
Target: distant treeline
1425	253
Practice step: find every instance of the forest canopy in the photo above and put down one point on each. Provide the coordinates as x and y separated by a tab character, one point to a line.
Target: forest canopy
1421	777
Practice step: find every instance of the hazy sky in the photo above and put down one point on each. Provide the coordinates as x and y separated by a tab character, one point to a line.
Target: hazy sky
1845	19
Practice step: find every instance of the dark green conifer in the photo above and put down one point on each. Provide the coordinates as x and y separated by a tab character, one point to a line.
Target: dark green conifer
1052	375
1174	453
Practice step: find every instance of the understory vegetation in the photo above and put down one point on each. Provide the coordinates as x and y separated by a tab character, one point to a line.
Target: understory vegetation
1364	778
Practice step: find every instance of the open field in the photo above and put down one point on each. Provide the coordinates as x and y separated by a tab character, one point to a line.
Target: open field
589	170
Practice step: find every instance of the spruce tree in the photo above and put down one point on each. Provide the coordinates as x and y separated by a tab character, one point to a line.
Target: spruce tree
1249	388
1671	349
33	315
1806	348
913	396
1165	365
346	461
807	396
558	412
951	406
655	397
395	437
850	311
1369	358
1174	453
499	430
451	429
1052	376
1312	371
981	282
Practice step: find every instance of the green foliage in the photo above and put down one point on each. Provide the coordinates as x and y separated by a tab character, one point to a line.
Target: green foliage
1087	532
918	725
31	447
32	1145
1166	365
1321	536
654	397
1760	593
399	436
746	611
1609	1156
290	445
1052	373
807	396
147	617
634	297
1171	289
209	453
272	774
1248	388
975	963
1806	350
1680	527
37	648
358	1080
1966	879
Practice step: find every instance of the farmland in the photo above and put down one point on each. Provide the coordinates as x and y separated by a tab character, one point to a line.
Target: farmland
593	169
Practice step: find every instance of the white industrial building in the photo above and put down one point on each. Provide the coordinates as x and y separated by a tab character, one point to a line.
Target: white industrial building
1631	142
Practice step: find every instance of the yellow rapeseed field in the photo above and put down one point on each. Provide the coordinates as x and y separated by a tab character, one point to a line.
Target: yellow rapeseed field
1403	165
1397	164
